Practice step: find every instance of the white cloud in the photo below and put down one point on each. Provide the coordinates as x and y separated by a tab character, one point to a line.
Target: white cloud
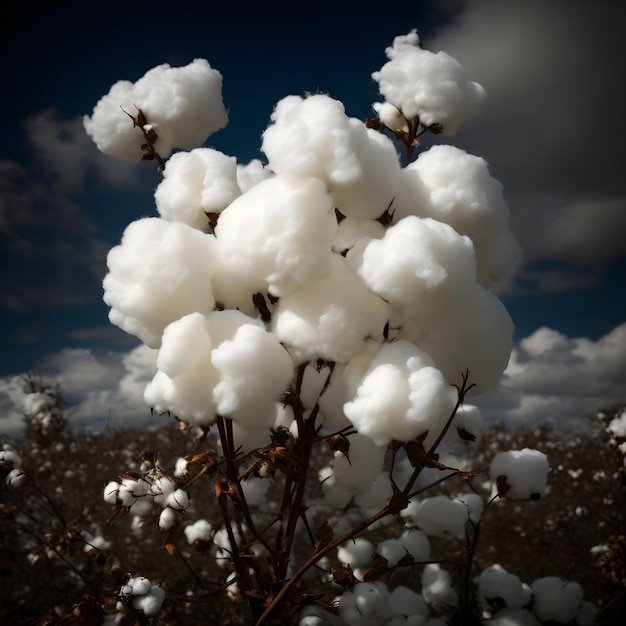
552	125
559	380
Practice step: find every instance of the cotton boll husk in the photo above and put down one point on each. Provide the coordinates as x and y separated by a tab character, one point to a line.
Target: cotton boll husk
462	193
330	317
441	516
254	370
196	183
159	272
437	587
352	230
526	472
314	137
278	235
366	459
401	396
183	105
417	265
495	582
430	85
556	599
251	174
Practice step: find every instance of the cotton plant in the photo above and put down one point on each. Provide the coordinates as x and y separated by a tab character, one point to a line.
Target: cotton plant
323	318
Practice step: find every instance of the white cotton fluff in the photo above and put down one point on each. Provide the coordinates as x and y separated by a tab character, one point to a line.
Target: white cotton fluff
392	550
335	496
182	104
417	544
467	422
200	531
465	329
556	599
513	617
358	471
441	516
437	588
331	317
276	237
367	604
352	230
526	473
357	553
617	426
196	183
313	136
226	363
159	272
251	174
313	615
495	582
167	519
456	188
428	85
401	396
405	602
417	265
150	603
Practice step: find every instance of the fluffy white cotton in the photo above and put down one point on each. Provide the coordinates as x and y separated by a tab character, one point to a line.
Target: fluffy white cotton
367	604
428	85
401	396
313	136
224	363
526	473
495	582
146	597
183	105
159	272
456	188
352	230
200	531
418	264
416	543
437	587
251	174
556	599
441	516
357	553
358	471
405	602
276	237
513	617
196	183
331	317
467	423
390	116
254	369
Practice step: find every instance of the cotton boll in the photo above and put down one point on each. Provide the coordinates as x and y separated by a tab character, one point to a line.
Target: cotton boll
467	424
367	604
167	519
254	370
196	183
474	504
314	137
431	86
312	615
335	496
111	491
526	473
352	230
178	500
418	264
462	193
200	531
182	104
160	272
278	235
495	582
392	550
556	599
401	396
358	472
513	617
378	495
405	602
437	587
441	516
251	174
255	490
330	317
391	117
186	377
470	330
356	553
416	543
150	603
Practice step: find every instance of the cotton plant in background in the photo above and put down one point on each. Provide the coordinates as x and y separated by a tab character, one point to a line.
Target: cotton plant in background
324	315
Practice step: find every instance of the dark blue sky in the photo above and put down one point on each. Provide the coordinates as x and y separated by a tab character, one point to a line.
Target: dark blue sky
61	57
